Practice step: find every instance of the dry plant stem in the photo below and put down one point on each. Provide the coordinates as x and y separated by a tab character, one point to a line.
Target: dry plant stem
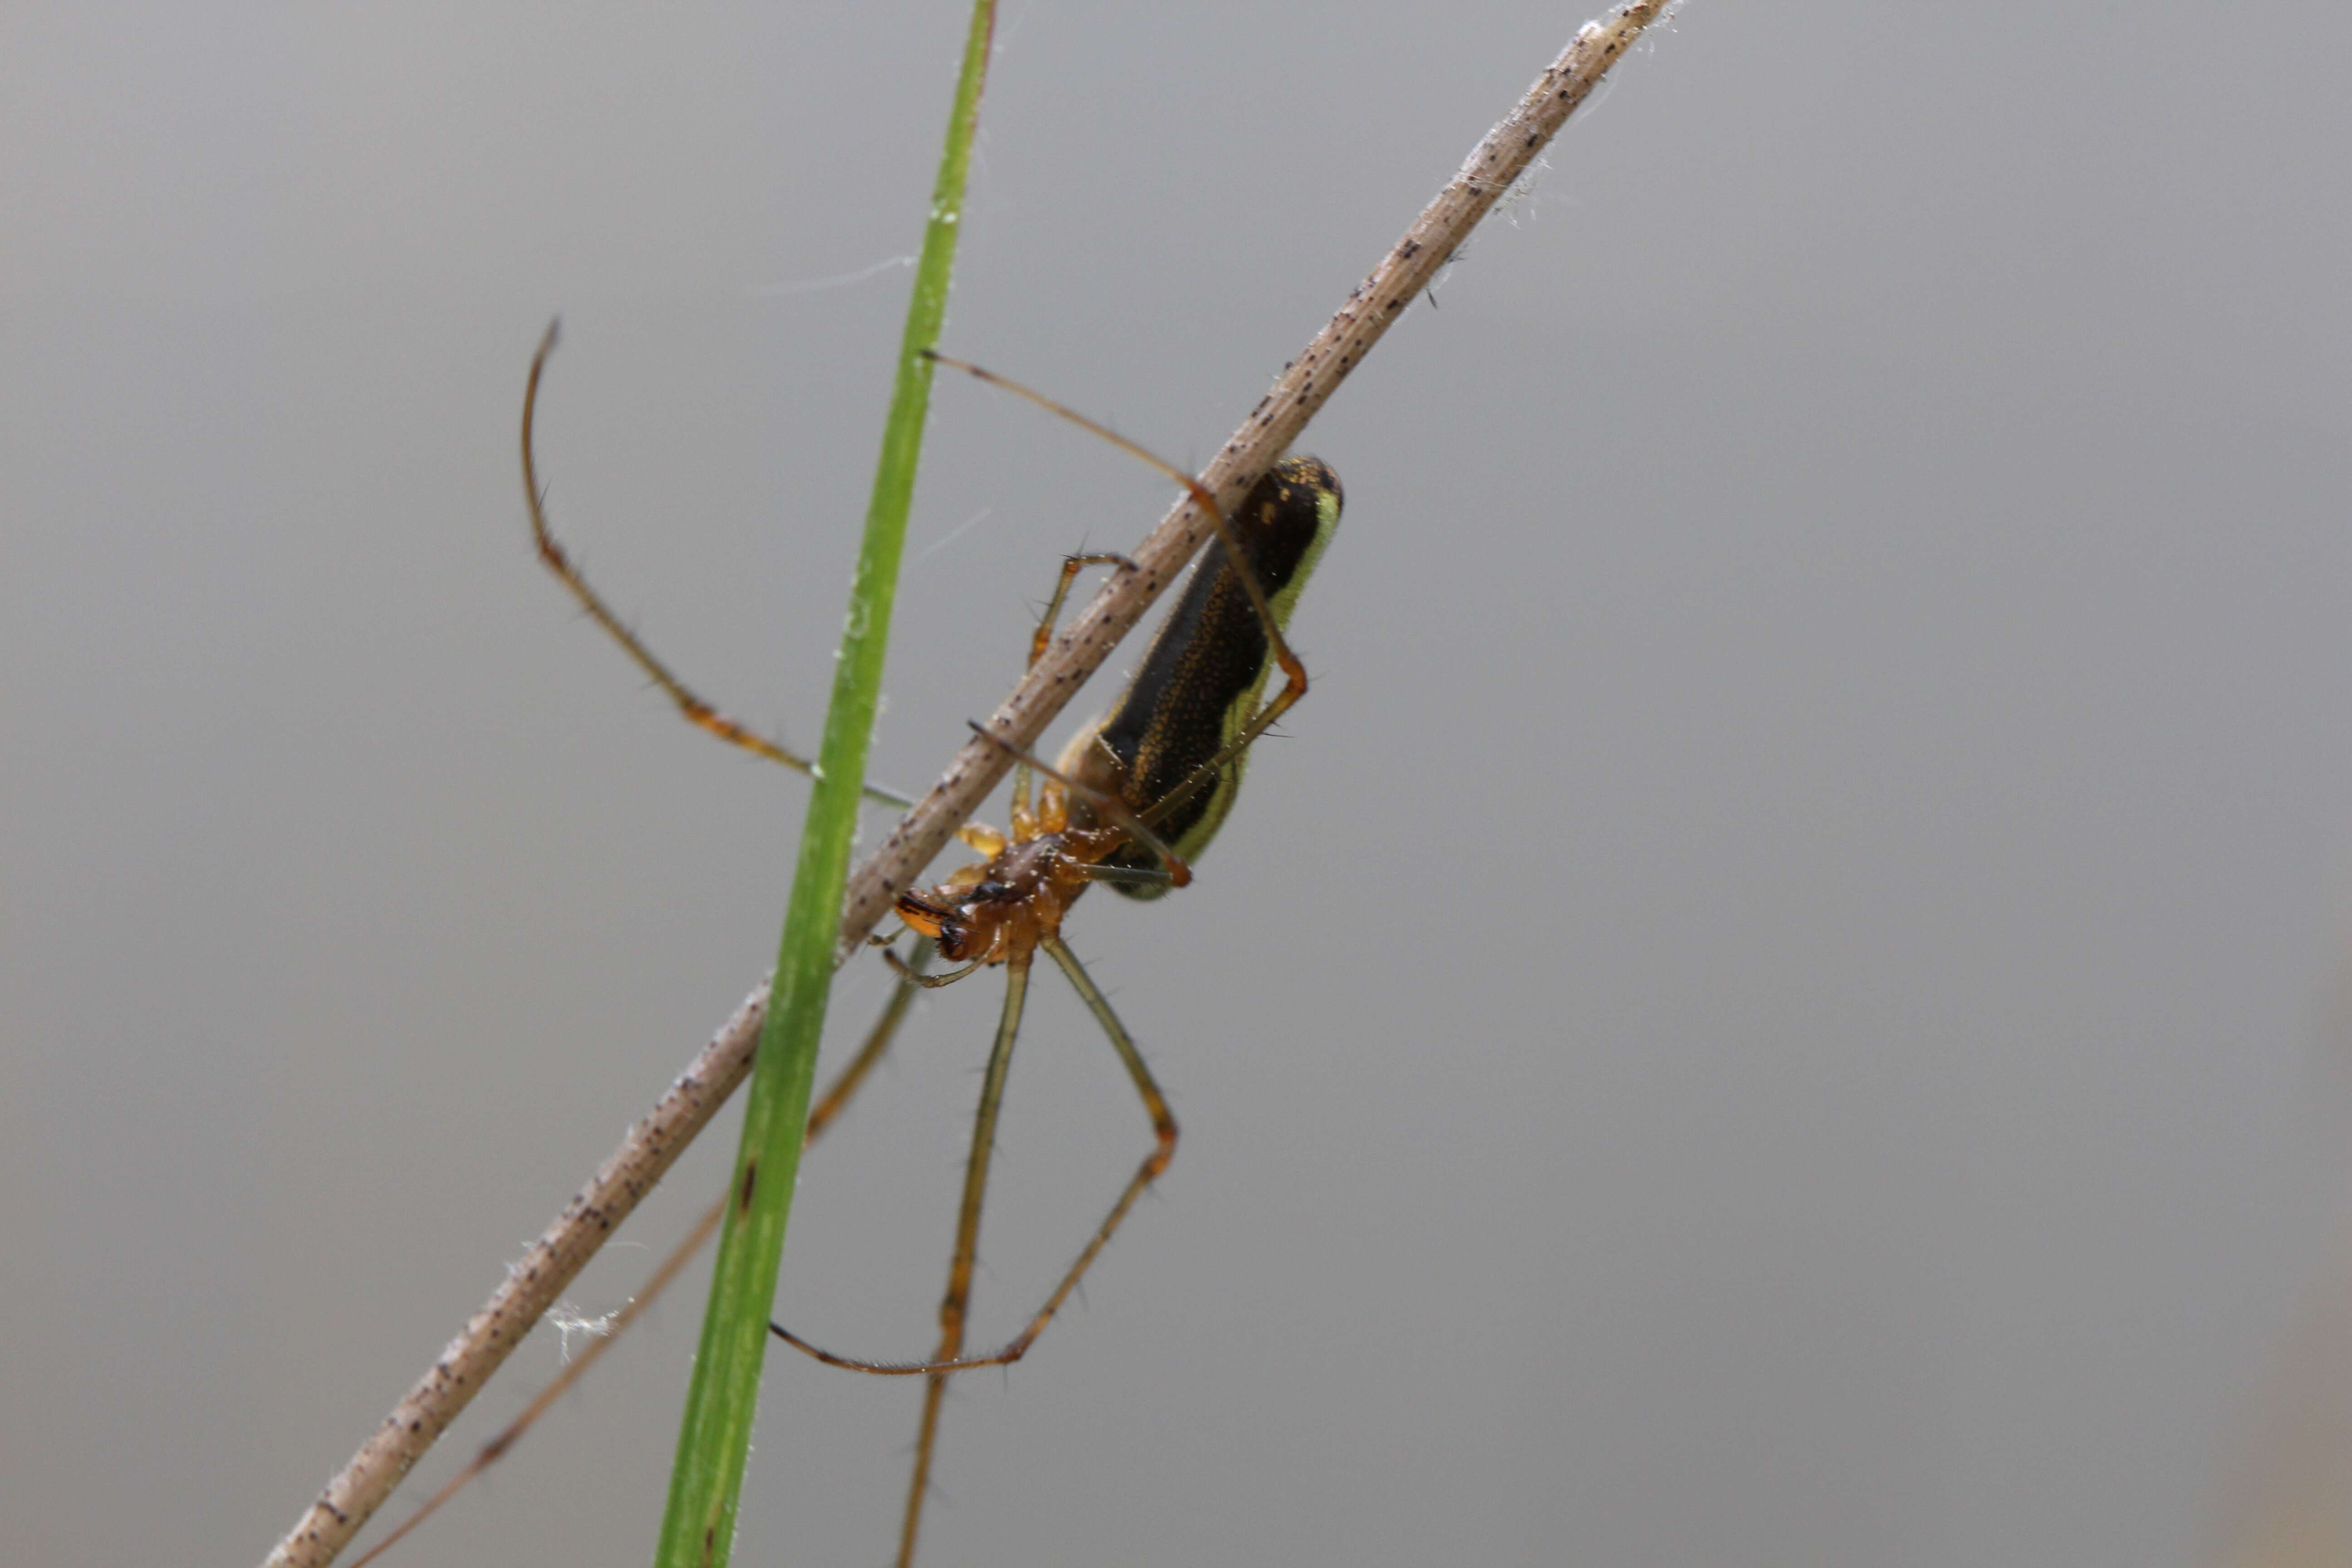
828	1110
533	1284
574	1371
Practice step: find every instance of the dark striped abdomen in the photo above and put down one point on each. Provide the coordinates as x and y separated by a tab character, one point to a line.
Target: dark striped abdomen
1206	671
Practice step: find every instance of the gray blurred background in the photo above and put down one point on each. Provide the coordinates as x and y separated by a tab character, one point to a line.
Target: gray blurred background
1773	1007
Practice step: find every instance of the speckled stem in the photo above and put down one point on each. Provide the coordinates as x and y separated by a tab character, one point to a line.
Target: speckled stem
533	1284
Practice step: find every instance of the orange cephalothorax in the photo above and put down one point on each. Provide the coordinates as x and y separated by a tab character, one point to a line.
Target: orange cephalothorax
986	913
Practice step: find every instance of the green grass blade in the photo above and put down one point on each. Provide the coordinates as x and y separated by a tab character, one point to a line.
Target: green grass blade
714	1439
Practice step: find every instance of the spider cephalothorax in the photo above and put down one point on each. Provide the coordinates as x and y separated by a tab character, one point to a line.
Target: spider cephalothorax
986	913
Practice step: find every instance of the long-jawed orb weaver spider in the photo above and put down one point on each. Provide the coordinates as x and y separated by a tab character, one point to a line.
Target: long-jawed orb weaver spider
1135	796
